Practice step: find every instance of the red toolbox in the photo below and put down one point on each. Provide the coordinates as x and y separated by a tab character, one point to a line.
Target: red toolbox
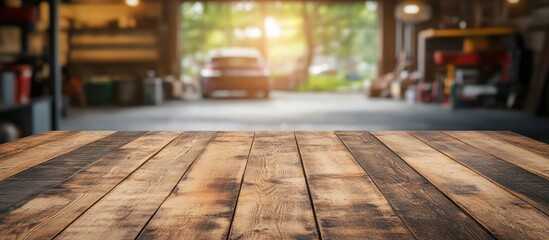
18	15
23	75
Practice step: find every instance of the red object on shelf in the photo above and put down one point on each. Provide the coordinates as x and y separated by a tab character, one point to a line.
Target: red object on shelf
23	74
501	58
456	58
469	59
15	15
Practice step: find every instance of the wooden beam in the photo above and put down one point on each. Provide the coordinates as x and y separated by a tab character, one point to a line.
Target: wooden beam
387	36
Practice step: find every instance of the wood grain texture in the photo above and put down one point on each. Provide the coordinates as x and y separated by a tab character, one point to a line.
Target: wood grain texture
16	163
26	143
527	186
347	203
49	213
15	190
202	205
274	201
521	157
124	211
427	212
498	210
274	185
521	141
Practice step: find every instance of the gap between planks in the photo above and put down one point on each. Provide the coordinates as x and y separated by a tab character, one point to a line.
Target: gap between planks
308	189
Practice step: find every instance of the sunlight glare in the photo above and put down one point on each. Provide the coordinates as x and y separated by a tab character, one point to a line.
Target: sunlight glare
253	32
272	28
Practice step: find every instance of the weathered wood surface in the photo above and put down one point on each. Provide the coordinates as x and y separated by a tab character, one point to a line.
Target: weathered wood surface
123	212
526	185
274	202
16	163
521	141
274	185
202	205
494	207
21	187
347	202
430	215
500	148
32	141
50	212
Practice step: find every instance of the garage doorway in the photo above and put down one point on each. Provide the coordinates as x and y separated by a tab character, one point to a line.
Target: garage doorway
309	46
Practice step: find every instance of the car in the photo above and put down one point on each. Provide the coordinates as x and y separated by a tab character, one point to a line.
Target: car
235	69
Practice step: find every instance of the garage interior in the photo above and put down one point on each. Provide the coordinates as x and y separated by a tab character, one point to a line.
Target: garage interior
124	65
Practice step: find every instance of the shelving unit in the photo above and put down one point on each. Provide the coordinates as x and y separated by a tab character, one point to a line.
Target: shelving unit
31	118
113	51
40	113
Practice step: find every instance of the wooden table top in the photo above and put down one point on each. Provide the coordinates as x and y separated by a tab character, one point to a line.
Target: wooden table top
277	185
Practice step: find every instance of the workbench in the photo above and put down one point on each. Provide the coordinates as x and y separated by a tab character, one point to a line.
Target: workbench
274	185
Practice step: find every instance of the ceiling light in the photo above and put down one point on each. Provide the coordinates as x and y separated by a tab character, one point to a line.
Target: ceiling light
411	9
132	3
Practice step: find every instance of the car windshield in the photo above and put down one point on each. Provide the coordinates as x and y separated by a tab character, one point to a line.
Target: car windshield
235	61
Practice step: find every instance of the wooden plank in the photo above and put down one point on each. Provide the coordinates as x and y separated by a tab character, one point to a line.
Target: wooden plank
202	204
23	144
123	212
22	187
527	186
347	203
18	162
521	141
521	157
430	215
503	214
274	201
50	212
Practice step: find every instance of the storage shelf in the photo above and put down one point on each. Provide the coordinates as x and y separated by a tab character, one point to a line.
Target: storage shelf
471	32
11	107
112	31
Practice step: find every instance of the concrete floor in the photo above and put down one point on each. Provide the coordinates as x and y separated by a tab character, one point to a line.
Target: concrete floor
303	111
